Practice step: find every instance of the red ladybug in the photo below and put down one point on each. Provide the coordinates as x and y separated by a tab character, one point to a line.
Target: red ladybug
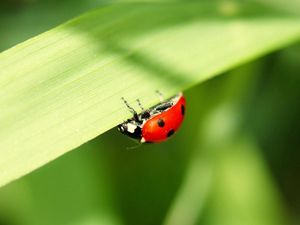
156	124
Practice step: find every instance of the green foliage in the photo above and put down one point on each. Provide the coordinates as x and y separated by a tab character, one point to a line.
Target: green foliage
63	88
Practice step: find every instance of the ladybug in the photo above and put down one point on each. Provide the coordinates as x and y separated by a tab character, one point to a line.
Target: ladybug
156	124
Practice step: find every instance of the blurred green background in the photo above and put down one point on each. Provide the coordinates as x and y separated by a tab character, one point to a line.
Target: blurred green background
235	161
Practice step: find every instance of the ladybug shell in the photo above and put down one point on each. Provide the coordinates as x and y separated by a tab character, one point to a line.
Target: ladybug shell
163	125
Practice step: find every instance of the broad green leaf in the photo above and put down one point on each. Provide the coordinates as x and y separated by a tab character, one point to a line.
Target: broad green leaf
63	88
75	189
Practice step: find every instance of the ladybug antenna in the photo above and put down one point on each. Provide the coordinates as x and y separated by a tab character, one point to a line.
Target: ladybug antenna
140	105
161	96
135	115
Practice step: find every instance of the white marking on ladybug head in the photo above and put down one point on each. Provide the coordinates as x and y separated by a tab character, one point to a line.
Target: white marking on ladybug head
131	128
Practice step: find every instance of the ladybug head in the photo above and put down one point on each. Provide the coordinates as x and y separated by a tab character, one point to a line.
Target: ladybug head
131	130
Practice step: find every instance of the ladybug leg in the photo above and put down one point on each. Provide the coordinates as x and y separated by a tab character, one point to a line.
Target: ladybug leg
145	113
135	115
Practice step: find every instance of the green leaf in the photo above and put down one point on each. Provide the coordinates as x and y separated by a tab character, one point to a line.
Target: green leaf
63	88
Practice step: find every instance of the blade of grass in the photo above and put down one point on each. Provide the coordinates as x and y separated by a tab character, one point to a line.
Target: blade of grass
63	88
236	198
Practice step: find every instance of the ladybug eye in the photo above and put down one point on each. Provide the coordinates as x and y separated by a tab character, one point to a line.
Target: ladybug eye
161	122
121	128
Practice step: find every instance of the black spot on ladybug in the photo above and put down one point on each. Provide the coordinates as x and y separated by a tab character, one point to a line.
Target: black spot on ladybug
161	122
182	110
170	133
